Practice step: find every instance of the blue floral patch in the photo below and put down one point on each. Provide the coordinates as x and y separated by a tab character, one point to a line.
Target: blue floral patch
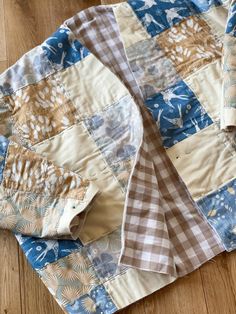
29	69
105	265
104	254
159	15
63	50
4	142
41	252
231	23
113	133
96	302
178	113
219	209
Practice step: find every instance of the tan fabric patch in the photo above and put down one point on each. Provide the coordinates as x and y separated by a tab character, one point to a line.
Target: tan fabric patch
91	86
206	83
190	45
41	110
69	278
75	149
143	283
204	161
28	172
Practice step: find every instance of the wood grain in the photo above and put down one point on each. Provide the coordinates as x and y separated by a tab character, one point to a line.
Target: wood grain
209	290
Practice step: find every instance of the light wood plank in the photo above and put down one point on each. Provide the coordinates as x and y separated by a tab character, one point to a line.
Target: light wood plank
219	288
3	52
10	294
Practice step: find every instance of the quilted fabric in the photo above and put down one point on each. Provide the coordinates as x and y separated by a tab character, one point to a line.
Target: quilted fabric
117	149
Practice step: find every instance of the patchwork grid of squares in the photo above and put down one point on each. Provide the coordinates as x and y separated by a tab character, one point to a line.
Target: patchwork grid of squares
150	184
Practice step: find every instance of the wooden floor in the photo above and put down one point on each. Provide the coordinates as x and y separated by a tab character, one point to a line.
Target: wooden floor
211	289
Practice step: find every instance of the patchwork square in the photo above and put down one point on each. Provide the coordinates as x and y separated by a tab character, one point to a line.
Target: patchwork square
143	283
178	113
29	69
104	254
157	16
69	278
28	172
41	252
216	18
130	27
152	70
41	111
84	81
207	84
97	301
219	209
190	45
119	138
203	161
63	49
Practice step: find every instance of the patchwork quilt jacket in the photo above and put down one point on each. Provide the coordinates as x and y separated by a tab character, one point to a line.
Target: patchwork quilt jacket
117	149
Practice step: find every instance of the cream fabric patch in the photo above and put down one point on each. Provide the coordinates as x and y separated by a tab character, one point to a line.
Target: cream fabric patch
131	29
143	283
205	161
91	86
206	84
228	117
74	149
216	18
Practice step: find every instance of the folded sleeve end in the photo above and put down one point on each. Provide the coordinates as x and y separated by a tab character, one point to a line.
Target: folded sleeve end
75	213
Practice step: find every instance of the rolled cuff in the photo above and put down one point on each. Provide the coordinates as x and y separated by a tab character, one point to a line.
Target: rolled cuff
228	118
75	213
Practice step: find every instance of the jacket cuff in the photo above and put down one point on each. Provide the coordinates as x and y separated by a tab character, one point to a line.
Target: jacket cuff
75	213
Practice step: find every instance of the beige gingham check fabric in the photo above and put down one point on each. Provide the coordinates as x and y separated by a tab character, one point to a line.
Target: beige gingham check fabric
163	229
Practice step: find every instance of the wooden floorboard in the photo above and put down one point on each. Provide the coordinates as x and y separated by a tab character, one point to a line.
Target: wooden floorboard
209	290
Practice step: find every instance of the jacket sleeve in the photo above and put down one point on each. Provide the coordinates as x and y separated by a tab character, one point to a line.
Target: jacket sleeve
38	198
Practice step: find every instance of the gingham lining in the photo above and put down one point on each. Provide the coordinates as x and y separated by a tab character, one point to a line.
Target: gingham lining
163	230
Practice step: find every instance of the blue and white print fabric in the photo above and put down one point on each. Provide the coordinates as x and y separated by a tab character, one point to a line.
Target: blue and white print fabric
3	151
96	302
104	255
178	113
29	69
231	23
157	16
219	208
41	252
63	49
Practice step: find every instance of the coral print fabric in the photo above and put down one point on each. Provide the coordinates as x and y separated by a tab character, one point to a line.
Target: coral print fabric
118	147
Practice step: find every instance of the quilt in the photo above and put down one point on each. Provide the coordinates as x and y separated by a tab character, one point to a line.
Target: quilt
117	149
